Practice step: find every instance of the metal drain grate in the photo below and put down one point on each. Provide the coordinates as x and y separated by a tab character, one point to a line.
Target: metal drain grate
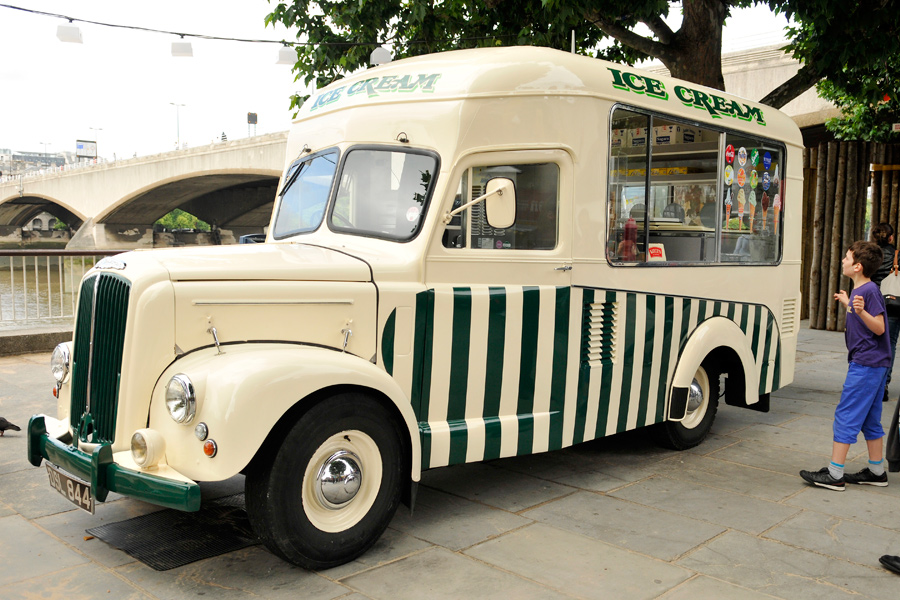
171	538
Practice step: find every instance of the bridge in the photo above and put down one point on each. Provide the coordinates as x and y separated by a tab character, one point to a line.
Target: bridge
231	185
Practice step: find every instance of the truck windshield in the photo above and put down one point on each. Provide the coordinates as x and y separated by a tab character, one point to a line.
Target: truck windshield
305	195
383	193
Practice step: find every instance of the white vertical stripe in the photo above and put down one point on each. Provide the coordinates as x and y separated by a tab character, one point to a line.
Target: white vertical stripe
659	324
674	347
573	365
512	354
543	376
403	364
475	440
440	376
616	385
637	370
478	341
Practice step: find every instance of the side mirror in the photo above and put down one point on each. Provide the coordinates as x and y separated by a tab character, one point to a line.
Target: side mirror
500	205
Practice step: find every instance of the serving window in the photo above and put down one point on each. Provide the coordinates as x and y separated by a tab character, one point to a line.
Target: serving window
673	195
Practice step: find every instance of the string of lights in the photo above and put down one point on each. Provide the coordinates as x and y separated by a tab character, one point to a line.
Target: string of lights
221	38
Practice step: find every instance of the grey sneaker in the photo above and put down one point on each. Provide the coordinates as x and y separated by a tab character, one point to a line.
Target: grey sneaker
867	477
823	478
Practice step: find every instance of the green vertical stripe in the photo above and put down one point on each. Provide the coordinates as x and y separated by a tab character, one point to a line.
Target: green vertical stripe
648	366
493	383
669	308
387	342
421	377
717	309
701	311
459	353
685	321
776	372
627	361
770	322
459	373
745	312
531	307
584	368
606	374
425	436
731	308
754	342
560	362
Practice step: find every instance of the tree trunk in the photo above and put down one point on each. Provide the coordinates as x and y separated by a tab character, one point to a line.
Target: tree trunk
850	200
825	287
806	238
835	277
815	263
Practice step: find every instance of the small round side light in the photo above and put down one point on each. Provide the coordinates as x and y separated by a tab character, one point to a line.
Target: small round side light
210	448
201	431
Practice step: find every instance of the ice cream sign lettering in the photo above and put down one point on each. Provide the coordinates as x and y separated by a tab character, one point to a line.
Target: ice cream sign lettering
716	106
376	86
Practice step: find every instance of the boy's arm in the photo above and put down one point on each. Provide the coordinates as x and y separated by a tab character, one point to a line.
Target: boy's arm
875	323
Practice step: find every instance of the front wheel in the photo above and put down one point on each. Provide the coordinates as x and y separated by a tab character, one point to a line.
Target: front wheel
703	401
332	486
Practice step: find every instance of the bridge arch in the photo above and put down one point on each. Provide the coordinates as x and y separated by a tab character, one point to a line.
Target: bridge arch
19	211
231	198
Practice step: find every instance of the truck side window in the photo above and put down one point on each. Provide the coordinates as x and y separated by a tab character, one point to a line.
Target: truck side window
537	209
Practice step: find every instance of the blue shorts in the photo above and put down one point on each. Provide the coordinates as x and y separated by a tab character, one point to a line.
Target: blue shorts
860	405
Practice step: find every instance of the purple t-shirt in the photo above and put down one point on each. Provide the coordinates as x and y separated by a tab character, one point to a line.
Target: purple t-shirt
864	347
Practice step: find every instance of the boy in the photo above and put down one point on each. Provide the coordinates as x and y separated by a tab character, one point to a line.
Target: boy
869	355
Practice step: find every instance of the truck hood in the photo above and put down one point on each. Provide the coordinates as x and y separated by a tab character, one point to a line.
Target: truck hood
253	262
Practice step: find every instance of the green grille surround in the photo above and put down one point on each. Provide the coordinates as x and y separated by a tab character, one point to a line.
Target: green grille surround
109	320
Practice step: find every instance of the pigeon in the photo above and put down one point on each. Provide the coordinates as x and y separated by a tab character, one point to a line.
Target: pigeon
4	425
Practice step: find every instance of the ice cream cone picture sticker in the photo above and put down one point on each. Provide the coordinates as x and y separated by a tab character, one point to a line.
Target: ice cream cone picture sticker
777	207
741	177
741	199
754	179
765	207
752	196
727	208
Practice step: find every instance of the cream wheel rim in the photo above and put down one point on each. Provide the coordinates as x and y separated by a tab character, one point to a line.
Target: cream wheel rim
355	484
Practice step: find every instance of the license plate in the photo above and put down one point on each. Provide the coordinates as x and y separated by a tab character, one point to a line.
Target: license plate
76	491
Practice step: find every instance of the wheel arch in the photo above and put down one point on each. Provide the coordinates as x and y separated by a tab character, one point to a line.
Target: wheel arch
720	344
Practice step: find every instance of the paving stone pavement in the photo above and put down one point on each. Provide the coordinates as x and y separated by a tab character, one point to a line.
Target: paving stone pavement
614	518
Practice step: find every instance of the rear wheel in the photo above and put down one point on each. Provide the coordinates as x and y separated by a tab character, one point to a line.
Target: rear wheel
703	402
332	486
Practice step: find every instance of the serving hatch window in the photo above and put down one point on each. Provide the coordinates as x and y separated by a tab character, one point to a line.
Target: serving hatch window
667	203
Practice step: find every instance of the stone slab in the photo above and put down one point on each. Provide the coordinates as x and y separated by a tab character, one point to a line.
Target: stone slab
581	566
40	556
626	524
85	582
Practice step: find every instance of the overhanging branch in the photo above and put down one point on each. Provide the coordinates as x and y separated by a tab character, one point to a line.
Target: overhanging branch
628	37
805	78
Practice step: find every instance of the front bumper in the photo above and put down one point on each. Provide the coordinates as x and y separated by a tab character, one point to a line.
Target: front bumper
105	475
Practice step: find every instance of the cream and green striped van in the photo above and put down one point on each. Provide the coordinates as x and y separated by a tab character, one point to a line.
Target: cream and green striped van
472	255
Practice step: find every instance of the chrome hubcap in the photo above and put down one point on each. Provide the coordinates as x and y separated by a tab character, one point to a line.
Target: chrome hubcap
339	479
695	396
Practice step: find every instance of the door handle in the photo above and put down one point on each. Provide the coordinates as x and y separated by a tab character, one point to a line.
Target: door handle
563	268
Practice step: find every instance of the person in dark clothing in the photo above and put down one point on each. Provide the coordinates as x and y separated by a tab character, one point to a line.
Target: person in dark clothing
883	235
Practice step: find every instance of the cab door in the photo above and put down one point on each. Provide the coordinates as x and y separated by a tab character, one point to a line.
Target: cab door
502	324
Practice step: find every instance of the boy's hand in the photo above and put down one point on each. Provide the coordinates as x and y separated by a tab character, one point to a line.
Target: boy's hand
858	304
841	297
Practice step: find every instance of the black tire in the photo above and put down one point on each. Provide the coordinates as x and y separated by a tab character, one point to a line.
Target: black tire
701	412
291	513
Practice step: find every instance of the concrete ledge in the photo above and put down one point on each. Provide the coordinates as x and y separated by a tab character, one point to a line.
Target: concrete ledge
27	341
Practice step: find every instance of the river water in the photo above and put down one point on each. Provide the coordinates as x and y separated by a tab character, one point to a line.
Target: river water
30	300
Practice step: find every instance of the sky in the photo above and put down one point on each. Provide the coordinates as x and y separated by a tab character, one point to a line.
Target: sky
119	86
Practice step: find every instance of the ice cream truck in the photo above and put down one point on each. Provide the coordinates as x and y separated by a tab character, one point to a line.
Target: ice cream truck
472	255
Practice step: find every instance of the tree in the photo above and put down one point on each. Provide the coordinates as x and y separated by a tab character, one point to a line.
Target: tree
179	219
869	99
336	37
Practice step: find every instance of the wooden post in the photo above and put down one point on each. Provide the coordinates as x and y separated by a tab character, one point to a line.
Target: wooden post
808	213
851	198
837	239
815	262
877	159
824	281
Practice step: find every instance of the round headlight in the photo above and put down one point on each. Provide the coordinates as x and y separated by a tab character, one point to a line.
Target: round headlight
180	399
59	363
148	447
